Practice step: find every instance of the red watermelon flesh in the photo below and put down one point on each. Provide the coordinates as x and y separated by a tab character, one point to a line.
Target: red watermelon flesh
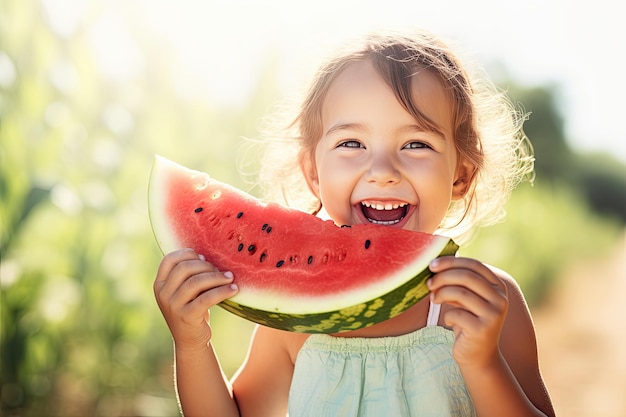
285	261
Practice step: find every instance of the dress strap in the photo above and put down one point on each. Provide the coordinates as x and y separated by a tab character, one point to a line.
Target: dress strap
433	314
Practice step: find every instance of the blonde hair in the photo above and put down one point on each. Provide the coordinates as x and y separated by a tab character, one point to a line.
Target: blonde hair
487	128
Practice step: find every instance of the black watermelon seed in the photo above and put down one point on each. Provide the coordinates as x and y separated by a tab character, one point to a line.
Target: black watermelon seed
239	214
264	226
252	248
269	229
263	256
240	247
346	225
279	263
198	210
367	244
310	260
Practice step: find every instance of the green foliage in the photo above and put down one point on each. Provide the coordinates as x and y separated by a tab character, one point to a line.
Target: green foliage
602	181
81	333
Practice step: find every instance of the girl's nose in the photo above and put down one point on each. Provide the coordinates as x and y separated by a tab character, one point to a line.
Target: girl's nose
382	171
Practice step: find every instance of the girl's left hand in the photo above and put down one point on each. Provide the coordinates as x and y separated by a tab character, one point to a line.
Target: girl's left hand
479	304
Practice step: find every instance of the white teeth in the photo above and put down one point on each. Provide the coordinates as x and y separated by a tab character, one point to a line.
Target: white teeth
383	206
379	205
387	223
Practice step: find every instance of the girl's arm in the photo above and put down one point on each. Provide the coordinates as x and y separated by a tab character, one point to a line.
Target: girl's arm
201	386
518	344
185	287
262	384
495	343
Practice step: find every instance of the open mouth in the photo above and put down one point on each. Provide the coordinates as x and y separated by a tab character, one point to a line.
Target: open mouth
384	213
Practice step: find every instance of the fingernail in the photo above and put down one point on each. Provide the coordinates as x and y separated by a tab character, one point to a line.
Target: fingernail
434	263
233	287
202	257
228	274
429	282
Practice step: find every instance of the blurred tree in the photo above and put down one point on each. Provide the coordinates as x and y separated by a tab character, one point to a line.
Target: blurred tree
545	128
600	178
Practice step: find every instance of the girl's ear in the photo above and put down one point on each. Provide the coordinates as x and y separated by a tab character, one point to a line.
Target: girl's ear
464	176
307	165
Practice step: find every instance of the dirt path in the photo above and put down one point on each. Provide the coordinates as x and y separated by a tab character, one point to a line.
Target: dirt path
582	339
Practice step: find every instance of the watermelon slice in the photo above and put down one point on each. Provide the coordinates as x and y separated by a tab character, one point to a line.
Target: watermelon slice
294	270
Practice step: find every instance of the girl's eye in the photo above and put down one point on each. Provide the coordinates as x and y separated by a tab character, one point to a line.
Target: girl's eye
352	144
416	145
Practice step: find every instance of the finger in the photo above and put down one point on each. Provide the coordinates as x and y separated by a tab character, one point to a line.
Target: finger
468	273
211	297
187	268
460	319
185	264
476	334
449	262
466	288
199	283
476	328
461	297
170	260
181	271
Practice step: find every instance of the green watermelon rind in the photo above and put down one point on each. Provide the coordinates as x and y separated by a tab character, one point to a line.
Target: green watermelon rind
353	317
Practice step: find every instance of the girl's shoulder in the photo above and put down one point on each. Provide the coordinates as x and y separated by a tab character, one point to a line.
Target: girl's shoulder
514	291
518	314
288	343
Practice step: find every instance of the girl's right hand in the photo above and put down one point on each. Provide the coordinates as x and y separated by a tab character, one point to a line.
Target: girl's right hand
185	287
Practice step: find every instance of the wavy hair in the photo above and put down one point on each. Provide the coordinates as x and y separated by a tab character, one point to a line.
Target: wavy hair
487	127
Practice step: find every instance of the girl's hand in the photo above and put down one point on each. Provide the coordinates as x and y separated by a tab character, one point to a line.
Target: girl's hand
185	287
479	303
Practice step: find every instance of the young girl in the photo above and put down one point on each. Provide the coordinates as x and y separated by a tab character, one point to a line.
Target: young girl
392	132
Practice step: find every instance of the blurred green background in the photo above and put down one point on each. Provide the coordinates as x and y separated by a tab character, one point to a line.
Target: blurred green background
81	334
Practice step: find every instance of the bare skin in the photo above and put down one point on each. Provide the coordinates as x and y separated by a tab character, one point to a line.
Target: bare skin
495	345
382	156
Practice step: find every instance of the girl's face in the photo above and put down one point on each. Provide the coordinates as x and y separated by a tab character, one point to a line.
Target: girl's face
374	164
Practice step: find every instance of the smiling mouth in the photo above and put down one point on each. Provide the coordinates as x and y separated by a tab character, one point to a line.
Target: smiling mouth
385	214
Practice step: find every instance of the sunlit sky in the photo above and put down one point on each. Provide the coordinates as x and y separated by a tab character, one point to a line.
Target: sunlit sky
223	44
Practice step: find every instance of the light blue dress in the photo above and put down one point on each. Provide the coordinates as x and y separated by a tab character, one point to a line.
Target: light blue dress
409	375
